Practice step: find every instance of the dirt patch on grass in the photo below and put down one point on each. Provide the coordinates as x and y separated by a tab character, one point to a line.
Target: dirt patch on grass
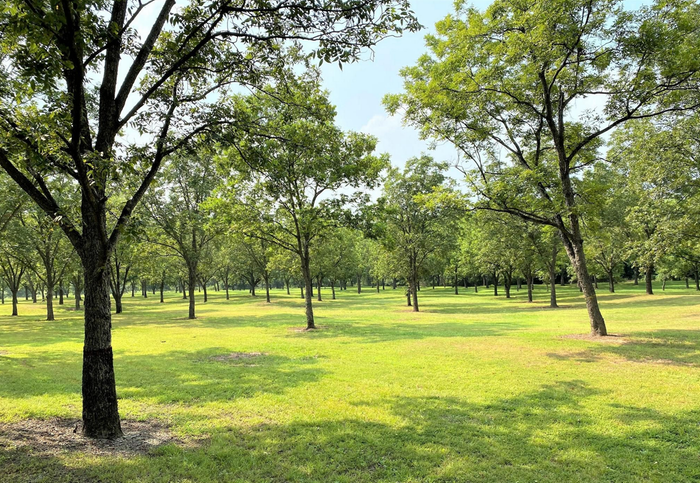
52	437
608	339
235	356
4	353
304	329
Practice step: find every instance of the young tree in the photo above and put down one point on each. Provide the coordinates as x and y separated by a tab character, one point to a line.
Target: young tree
420	212
288	163
182	221
504	85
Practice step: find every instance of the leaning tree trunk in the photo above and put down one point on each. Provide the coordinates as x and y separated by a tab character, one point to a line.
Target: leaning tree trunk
648	278
574	249
308	293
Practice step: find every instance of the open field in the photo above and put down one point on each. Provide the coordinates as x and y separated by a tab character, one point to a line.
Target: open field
473	388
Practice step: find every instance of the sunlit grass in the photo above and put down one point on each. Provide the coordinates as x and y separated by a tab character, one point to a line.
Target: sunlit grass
473	388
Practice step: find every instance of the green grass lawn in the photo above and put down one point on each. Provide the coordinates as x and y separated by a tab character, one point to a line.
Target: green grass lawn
473	388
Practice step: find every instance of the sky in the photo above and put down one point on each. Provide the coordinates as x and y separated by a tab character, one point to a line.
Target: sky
358	89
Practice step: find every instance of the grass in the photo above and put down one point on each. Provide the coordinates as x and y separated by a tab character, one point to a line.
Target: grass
473	388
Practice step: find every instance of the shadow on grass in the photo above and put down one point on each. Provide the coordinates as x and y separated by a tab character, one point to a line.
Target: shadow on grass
674	347
547	435
172	377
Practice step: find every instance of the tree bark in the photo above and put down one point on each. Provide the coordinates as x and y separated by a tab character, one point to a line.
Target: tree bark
648	276
267	288
553	288
100	408
191	282
49	302
332	289
162	289
495	284
611	282
529	281
359	284
318	289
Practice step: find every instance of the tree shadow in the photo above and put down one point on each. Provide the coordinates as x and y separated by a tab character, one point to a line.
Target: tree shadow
673	347
551	434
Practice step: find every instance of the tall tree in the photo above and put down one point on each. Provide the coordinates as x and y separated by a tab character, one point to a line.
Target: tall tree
76	74
506	86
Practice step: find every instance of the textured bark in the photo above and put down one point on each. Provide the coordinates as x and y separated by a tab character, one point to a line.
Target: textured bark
100	408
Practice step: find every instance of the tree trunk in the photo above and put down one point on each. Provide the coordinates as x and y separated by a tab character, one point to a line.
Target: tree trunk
60	293
191	282
49	302
687	282
414	283
162	289
697	280
227	294
332	289
117	301
286	284
495	284
595	282
359	284
507	282
267	289
553	288
648	278
14	300
204	287
574	249
529	282
636	275
393	283
318	289
100	408
611	282
308	284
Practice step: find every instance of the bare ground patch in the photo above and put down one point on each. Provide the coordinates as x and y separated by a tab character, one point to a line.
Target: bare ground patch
236	356
51	437
608	339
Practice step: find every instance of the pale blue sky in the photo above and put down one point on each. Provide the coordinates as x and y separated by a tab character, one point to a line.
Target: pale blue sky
358	89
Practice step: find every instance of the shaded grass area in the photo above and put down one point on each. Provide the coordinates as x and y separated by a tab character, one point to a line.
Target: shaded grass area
474	388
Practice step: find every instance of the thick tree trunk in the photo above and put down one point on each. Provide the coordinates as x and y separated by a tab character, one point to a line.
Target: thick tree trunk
529	281
648	276
393	283
60	293
687	282
507	283
100	408
611	282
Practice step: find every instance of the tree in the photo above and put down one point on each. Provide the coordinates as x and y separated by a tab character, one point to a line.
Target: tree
289	162
76	75
182	221
420	213
504	85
